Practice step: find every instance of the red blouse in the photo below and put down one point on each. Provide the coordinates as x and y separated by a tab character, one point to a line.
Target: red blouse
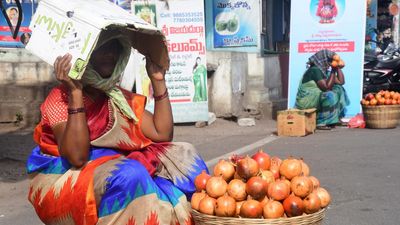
99	115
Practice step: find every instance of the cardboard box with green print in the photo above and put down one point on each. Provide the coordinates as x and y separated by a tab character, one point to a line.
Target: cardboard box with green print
74	26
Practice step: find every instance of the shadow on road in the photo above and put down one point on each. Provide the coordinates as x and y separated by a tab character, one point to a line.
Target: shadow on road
15	147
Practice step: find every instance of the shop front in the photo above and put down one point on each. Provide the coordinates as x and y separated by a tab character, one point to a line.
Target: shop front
248	41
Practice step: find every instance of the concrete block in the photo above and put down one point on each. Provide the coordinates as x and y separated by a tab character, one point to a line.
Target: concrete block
211	118
246	122
200	124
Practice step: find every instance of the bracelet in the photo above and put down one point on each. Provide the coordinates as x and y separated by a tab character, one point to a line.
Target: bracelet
75	110
161	97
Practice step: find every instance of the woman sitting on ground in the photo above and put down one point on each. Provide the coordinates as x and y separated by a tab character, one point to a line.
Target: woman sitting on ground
102	158
322	91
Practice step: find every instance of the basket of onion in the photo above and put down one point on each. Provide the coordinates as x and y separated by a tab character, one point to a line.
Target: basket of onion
259	190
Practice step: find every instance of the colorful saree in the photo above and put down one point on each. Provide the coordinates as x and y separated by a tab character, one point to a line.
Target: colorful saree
127	180
330	105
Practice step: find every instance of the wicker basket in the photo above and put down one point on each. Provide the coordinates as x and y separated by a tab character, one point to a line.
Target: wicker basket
381	116
309	219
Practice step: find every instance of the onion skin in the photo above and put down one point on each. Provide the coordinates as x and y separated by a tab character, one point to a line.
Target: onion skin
293	206
268	176
273	210
278	190
285	180
312	203
216	187
256	187
251	209
264	201
315	182
236	176
196	198
301	186
237	190
207	205
224	169
201	180
247	168
275	165
225	206
305	169
324	196
238	206
263	159
290	168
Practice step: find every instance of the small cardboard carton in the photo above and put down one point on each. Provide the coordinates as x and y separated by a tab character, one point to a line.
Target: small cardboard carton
295	122
74	26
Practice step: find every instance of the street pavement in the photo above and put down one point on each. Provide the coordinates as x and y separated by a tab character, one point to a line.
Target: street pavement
359	167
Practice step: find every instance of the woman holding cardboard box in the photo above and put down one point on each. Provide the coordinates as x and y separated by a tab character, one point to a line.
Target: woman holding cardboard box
102	158
324	92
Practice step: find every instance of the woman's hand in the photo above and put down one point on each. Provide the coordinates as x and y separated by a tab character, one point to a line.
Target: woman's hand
154	71
62	65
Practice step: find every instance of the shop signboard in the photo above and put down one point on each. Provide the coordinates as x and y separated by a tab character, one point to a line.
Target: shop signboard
183	24
340	29
235	23
6	37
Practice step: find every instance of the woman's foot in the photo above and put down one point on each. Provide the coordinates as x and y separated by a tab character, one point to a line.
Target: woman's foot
323	127
333	126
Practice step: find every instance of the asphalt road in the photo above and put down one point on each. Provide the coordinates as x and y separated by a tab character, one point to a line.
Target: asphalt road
359	167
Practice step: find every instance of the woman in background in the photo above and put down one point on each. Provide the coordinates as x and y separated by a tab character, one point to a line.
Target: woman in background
322	91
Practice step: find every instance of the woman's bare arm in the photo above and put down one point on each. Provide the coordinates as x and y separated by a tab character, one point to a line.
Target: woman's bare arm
72	136
327	84
160	126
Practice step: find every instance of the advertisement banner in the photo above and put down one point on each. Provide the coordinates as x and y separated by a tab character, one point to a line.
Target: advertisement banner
6	38
235	23
183	24
337	25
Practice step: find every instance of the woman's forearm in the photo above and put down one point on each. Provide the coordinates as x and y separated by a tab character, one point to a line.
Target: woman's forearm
162	118
75	139
340	76
331	80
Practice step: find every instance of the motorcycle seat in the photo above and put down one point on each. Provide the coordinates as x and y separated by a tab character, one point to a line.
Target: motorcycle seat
388	64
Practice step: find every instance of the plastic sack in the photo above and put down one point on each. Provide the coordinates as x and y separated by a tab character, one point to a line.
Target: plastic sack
357	121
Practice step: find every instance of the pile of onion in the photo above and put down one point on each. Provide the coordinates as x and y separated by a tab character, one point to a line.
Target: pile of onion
259	186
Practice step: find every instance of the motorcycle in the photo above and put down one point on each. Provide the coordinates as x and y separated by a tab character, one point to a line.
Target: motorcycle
382	72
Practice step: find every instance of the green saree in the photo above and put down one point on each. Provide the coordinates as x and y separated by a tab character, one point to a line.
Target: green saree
330	105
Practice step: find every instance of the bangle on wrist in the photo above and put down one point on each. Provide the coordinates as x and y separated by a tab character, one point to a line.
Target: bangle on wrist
75	110
161	97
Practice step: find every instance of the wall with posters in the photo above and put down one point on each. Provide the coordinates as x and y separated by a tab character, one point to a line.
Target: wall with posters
343	33
233	25
182	22
28	7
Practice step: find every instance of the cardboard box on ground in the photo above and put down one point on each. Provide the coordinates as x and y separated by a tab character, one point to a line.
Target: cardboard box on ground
295	122
74	26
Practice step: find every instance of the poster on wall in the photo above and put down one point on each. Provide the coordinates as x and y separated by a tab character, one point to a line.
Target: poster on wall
125	4
371	27
337	25
234	23
183	25
6	38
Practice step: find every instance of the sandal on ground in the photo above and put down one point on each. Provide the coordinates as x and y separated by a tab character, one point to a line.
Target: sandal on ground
323	127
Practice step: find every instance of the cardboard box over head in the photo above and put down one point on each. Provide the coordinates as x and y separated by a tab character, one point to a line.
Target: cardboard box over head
76	26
